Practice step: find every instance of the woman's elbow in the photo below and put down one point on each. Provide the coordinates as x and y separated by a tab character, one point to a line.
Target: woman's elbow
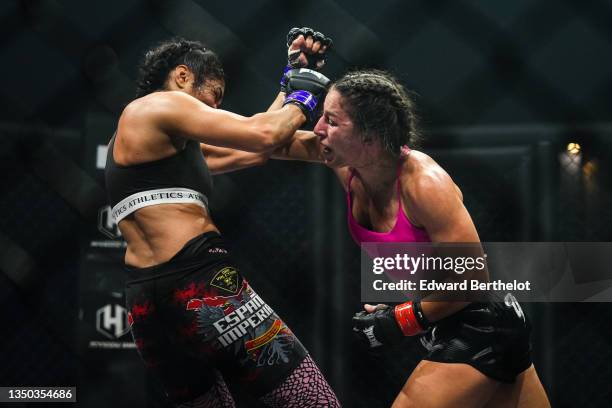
268	137
260	159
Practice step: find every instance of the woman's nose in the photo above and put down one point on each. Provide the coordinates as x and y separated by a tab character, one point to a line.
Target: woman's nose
320	128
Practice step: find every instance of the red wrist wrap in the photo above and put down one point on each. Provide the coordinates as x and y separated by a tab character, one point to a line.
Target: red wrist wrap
405	317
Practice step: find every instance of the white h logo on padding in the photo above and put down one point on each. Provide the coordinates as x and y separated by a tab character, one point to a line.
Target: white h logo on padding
111	321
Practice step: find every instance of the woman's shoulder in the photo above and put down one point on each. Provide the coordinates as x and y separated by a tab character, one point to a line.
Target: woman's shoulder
422	179
157	103
418	167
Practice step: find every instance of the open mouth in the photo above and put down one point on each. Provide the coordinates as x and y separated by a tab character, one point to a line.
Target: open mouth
328	154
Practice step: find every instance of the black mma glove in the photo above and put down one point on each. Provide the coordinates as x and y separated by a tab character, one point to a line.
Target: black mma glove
377	328
306	88
388	325
313	61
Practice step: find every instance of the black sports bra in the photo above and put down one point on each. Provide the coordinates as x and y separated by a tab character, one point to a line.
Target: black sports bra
181	178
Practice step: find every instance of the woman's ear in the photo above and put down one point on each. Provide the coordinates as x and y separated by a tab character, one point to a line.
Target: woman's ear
182	76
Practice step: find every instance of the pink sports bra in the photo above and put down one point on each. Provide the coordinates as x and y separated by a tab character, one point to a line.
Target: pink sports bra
403	231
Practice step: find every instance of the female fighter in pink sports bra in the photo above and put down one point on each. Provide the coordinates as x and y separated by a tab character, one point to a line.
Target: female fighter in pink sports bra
480	355
402	231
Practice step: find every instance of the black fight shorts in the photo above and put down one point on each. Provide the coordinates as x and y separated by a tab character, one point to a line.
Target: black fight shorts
492	337
196	314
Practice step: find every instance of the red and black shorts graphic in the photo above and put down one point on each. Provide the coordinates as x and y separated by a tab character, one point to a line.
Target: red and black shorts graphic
189	319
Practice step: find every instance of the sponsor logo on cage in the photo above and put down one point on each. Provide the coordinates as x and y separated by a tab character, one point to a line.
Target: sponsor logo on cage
112	321
226	279
107	224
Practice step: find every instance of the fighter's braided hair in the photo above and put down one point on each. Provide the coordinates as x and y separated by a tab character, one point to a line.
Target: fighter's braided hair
167	55
379	107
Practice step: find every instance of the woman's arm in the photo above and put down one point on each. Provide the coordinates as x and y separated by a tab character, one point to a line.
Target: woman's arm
437	205
178	114
303	146
278	102
224	160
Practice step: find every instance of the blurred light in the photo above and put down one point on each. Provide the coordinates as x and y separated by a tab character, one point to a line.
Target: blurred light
573	148
571	161
589	169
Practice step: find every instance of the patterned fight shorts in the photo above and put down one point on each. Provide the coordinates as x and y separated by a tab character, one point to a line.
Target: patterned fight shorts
195	319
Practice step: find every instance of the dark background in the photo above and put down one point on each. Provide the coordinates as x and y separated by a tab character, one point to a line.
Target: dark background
503	87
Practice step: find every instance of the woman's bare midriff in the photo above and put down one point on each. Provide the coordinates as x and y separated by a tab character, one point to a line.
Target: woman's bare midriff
155	234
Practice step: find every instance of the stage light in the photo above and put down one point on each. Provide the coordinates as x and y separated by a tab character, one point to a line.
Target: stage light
573	148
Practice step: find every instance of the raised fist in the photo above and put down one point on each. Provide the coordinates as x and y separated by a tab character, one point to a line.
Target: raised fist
307	48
